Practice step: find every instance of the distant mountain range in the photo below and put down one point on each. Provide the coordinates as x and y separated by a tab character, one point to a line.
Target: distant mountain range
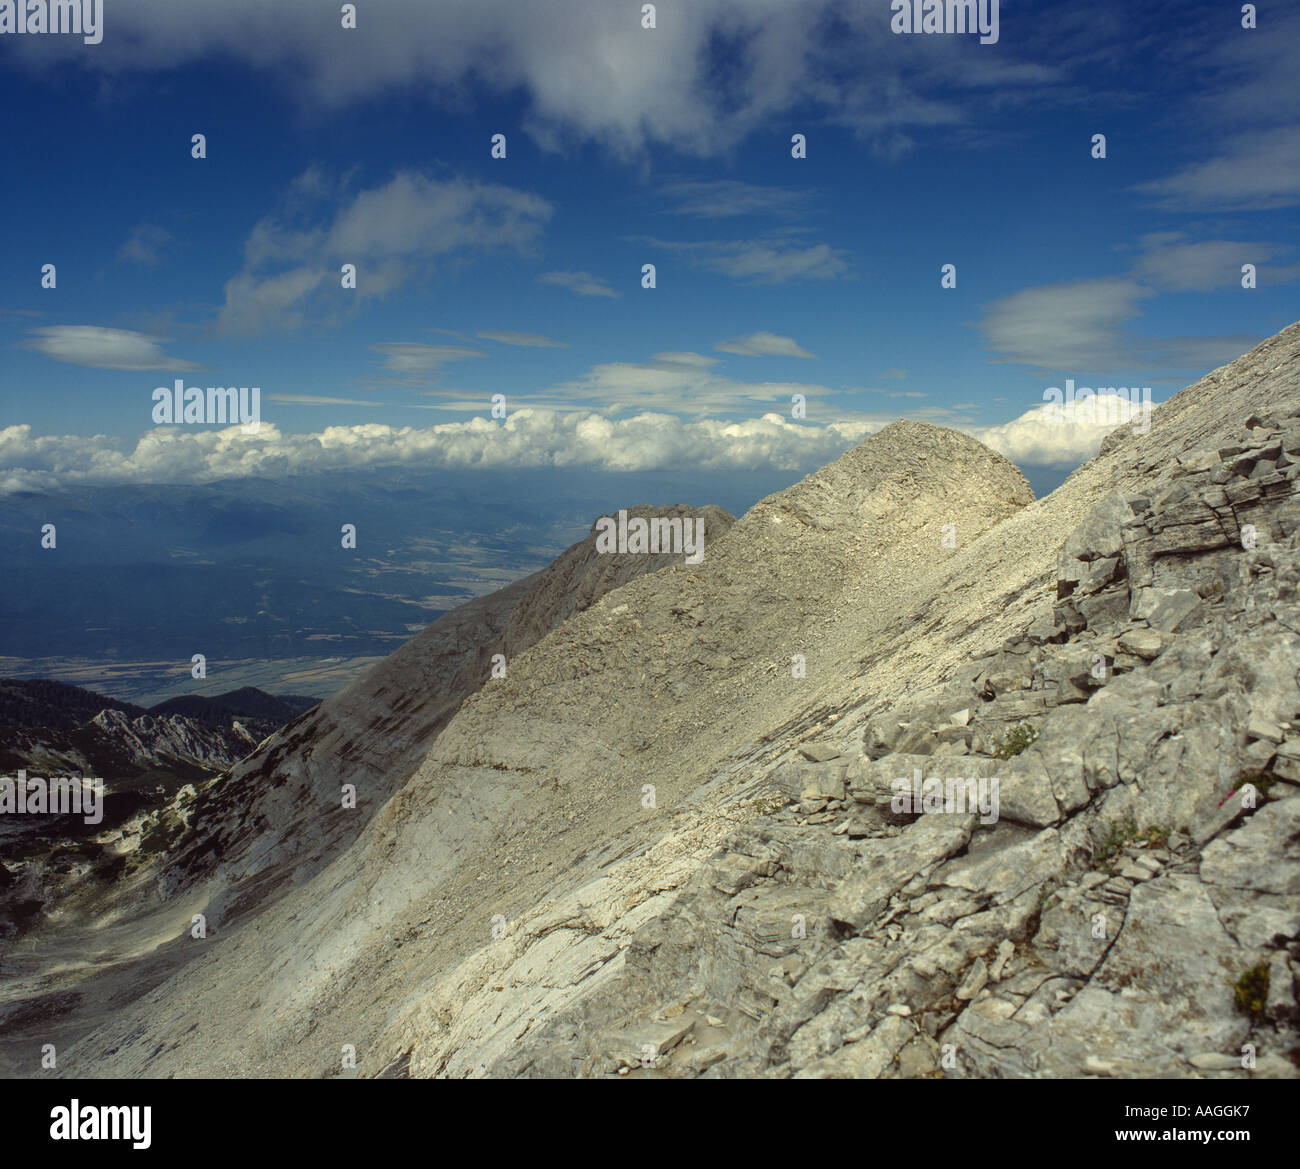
145	758
40	702
247	702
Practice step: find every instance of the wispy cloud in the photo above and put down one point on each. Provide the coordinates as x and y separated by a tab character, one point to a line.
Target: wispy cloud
145	245
762	261
317	400
726	198
583	283
679	383
764	345
1073	325
104	348
392	234
888	393
530	340
412	357
1084	327
1171	263
1255	170
587	71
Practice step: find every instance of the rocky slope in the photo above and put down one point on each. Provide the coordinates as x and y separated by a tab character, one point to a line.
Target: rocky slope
665	843
279	817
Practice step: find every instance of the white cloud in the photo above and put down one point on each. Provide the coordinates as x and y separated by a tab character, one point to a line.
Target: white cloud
1242	117
1081	327
888	393
583	283
1054	436
677	383
529	437
531	340
587	68
1071	326
764	345
103	348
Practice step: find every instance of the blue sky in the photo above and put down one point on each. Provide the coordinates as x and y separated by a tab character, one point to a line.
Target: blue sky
626	146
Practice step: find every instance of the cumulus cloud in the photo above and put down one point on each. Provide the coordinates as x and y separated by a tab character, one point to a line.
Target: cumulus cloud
103	348
1060	436
583	283
392	233
527	438
764	345
530	437
530	340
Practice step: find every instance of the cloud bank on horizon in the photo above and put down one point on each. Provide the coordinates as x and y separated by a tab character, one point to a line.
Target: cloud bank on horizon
528	437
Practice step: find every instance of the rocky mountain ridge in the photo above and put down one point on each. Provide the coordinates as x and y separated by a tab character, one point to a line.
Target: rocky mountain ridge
665	843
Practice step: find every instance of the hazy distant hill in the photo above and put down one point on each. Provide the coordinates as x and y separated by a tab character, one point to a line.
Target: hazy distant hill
38	702
247	702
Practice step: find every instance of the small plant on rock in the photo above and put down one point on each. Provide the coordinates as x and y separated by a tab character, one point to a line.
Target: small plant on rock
1118	834
1157	836
1251	991
1015	740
